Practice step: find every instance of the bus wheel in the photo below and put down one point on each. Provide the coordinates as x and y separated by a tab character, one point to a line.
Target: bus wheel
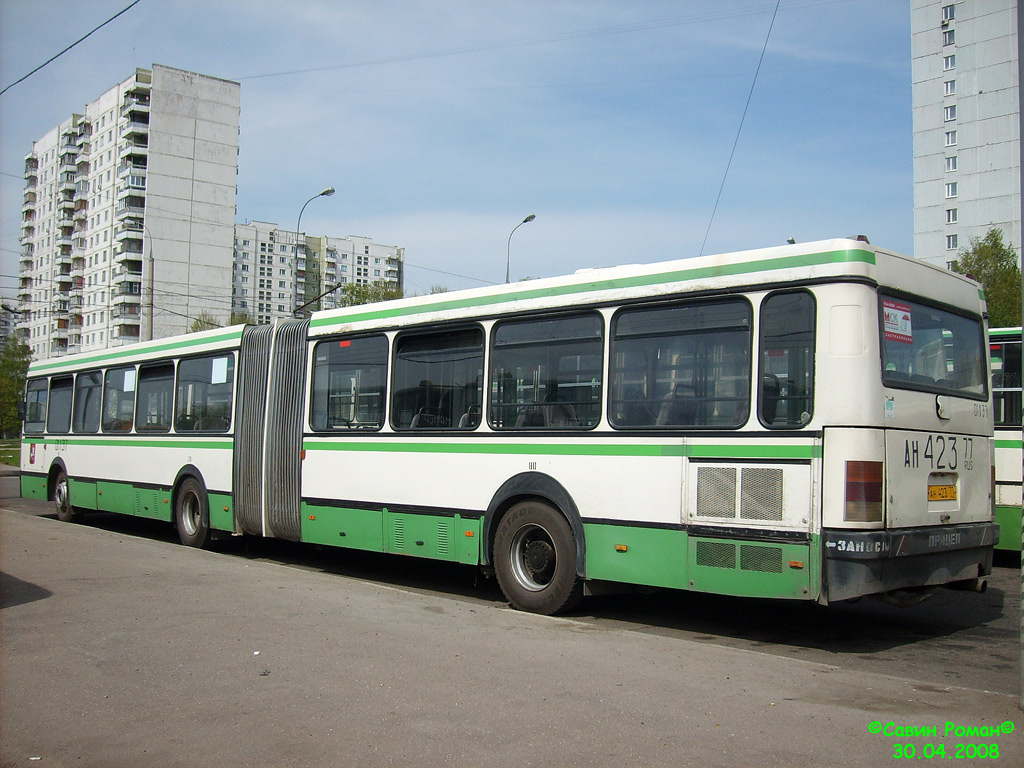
535	559
62	499
190	514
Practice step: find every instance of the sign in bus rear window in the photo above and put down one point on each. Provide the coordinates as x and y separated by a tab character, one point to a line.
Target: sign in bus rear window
931	349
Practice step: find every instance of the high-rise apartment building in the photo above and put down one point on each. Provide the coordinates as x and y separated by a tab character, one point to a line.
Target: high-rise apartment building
128	215
967	67
273	277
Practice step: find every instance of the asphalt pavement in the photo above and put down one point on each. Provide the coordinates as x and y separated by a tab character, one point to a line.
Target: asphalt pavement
121	649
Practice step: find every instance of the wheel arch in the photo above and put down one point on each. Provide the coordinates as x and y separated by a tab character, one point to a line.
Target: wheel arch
57	465
186	472
537	486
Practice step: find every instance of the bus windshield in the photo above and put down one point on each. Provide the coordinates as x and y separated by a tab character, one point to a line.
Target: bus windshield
931	349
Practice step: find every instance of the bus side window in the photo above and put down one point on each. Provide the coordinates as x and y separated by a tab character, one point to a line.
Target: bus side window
203	401
546	373
681	365
118	400
349	376
86	414
787	359
156	391
438	379
36	394
58	415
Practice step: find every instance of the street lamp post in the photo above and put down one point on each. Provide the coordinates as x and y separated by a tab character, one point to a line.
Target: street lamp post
508	246
298	222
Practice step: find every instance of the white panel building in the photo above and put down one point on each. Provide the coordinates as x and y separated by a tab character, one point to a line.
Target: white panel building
273	278
128	215
967	128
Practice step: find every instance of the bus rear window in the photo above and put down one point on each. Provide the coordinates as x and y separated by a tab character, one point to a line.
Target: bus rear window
931	349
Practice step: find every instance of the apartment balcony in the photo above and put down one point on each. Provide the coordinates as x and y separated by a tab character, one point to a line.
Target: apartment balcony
62	260
135	129
81	171
28	231
134	149
126	331
131	207
68	182
29	201
81	209
127	310
128	169
135	101
128	283
58	347
131	189
67	204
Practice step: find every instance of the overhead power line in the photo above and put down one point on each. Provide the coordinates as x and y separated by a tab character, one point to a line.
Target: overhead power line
58	55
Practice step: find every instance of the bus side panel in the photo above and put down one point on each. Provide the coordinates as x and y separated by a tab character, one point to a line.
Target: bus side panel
115	497
222	516
429	536
752	569
1009	520
83	493
343	527
634	555
33	486
154	503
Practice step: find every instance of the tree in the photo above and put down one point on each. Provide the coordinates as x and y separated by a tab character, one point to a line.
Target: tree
14	360
438	288
352	294
994	264
241	317
204	322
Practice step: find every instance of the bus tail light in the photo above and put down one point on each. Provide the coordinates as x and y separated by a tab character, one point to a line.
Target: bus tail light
863	492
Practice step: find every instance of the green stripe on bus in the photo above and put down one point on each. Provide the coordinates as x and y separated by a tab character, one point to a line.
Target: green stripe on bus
741	451
102	358
131	442
1008	444
637	281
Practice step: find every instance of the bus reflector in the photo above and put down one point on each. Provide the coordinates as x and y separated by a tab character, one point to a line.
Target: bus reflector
470	534
796	564
863	492
621	548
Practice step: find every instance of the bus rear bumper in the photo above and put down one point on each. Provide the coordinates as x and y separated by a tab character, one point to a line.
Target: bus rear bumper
869	562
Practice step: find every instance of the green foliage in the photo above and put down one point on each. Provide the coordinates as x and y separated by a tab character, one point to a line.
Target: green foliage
14	360
204	322
994	264
241	317
352	294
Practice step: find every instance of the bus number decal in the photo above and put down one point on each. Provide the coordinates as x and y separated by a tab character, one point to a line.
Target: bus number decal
940	452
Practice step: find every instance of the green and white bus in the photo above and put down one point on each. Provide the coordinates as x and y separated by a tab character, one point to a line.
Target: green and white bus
810	422
1004	345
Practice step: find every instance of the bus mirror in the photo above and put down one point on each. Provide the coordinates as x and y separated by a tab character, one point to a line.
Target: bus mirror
21	410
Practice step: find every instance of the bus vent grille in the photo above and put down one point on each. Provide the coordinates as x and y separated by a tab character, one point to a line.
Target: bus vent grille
442	538
399	533
716	554
716	492
761	493
758	558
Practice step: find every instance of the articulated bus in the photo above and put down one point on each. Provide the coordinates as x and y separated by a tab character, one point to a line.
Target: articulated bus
1004	345
811	422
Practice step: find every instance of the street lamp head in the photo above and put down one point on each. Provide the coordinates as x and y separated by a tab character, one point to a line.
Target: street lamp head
529	218
327	192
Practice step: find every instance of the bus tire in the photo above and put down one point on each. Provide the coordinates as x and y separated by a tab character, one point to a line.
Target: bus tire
62	500
191	513
535	559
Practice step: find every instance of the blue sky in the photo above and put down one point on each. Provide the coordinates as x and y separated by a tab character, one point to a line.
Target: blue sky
444	123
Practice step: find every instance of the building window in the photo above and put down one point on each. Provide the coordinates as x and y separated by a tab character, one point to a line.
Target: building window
949	88
948	12
948	63
950	138
950	190
951	216
951	242
950	163
949	113
948	36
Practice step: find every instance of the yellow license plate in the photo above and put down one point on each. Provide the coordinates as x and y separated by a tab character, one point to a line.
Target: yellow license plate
941	493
